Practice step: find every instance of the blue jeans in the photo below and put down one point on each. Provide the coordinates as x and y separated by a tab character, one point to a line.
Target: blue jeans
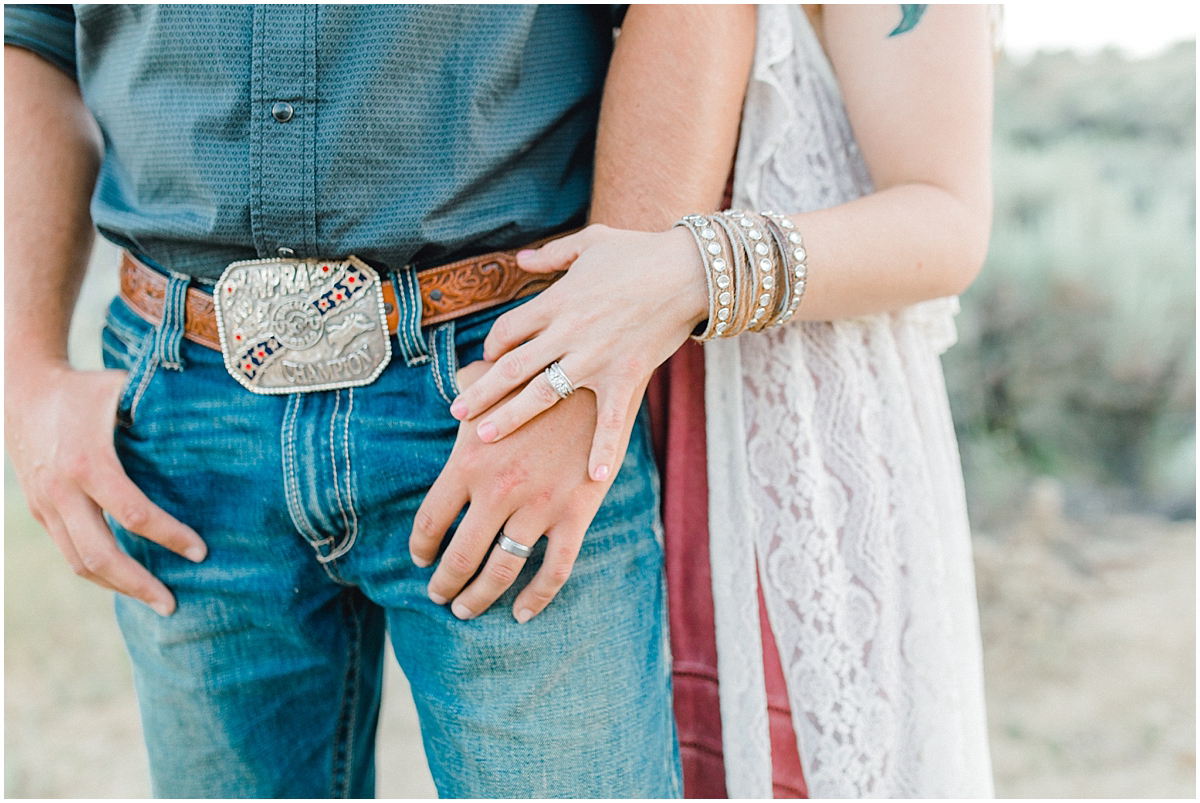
266	680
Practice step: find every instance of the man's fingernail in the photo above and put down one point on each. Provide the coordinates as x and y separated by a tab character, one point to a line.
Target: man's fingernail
459	409
437	598
462	611
420	563
195	553
487	432
161	608
524	615
600	474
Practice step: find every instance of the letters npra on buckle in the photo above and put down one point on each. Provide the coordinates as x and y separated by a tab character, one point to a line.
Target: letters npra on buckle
293	326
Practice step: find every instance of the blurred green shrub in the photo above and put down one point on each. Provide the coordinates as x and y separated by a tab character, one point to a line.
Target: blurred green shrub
1076	356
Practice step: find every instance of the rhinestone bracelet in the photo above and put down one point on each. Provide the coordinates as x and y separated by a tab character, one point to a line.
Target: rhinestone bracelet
796	255
755	267
714	266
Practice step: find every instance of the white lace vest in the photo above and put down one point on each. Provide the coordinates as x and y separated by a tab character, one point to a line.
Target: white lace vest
834	477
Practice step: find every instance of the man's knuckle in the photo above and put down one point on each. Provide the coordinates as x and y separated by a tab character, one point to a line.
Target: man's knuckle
501	573
95	561
424	527
458	563
508	480
134	516
558	574
76	466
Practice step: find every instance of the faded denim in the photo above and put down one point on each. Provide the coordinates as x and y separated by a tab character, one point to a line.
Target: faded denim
266	681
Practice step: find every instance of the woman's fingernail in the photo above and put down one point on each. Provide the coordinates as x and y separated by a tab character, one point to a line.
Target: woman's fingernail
462	611
487	432
420	563
526	253
437	598
195	553
600	474
459	409
161	608
524	615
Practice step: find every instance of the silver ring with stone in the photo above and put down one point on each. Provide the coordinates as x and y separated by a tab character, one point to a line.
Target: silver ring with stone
558	380
512	547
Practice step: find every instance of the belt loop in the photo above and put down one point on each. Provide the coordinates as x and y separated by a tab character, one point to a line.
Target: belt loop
170	330
408	316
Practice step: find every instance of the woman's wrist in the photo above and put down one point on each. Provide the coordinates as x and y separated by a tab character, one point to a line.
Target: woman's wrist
693	296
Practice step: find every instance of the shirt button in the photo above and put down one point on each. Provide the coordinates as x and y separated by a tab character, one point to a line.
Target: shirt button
282	112
283	252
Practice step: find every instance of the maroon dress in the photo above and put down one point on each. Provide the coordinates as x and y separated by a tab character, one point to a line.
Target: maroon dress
676	399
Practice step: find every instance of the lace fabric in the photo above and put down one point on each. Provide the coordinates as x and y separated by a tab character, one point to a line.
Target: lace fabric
834	478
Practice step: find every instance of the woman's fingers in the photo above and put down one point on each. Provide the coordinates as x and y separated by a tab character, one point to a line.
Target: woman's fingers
517	325
508	373
613	410
537	397
557	255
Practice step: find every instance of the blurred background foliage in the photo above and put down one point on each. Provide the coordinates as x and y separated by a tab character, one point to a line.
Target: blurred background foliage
1076	356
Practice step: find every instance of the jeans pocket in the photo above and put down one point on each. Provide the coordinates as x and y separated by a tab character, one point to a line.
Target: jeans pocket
128	344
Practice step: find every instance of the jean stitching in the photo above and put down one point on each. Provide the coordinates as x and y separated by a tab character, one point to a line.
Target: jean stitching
337	492
291	484
124	332
452	360
445	330
437	372
343	748
170	331
344	547
147	372
409	328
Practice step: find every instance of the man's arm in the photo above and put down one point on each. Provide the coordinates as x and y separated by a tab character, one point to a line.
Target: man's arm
668	128
59	421
671	112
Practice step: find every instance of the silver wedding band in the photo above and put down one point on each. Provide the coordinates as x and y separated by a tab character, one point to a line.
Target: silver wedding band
512	547
558	380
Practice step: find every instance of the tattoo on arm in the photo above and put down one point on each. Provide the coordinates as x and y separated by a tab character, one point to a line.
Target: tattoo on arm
910	16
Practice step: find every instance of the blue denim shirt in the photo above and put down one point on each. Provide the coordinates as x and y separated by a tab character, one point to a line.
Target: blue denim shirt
405	134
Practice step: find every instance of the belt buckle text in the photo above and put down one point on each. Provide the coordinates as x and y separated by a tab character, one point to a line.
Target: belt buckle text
293	326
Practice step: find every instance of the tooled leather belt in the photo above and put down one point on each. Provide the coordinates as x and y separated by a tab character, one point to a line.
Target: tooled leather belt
447	292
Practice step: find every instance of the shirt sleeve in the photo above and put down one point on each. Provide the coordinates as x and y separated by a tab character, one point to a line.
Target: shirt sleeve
48	30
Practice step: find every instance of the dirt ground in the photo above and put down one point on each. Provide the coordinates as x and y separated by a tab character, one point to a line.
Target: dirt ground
1089	650
1089	653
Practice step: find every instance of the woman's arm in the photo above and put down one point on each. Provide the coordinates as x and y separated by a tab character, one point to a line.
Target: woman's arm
920	104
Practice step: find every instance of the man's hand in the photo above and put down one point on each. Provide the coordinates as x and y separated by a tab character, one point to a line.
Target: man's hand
532	483
60	442
59	421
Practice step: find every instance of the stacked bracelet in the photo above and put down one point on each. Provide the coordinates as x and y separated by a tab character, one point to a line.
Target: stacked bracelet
756	268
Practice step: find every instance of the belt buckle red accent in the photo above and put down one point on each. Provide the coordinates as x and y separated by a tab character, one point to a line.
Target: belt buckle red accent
301	325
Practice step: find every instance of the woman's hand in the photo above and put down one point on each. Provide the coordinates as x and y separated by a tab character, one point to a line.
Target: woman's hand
629	300
531	484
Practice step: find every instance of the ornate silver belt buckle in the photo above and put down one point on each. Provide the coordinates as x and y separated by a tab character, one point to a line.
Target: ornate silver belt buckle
293	326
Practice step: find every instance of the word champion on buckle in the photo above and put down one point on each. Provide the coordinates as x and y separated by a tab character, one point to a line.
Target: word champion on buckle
293	326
